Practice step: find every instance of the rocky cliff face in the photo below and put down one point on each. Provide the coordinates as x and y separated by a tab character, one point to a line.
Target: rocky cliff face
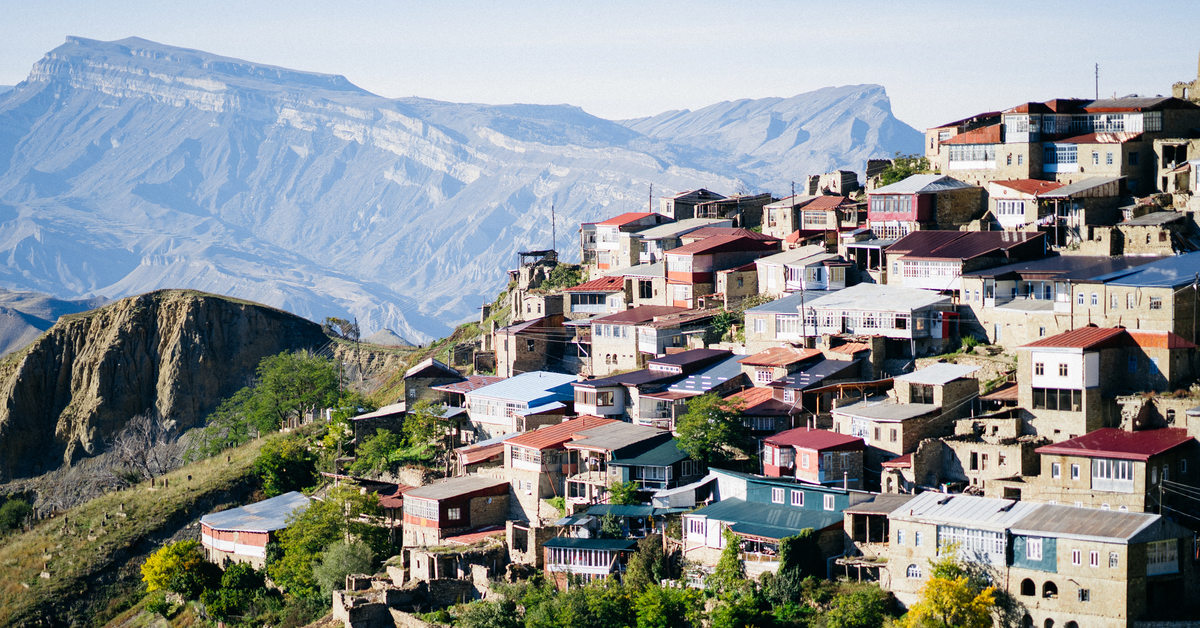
177	353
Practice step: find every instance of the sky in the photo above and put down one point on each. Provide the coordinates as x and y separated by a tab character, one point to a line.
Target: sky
939	61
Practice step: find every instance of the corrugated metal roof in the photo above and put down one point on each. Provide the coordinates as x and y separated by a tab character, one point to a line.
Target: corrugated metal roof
816	374
1067	266
626	218
1155	218
1110	442
922	184
686	225
780	356
611	283
1084	524
1151	339
876	297
662	455
775	521
1033	187
657	269
594	544
388	410
984	513
690	357
1173	272
789	304
880	504
961	245
633	378
265	516
640	314
531	387
614	436
723	244
983	135
937	374
430	366
714	232
1080	338
453	487
1083	185
709	378
1100	138
792	255
884	409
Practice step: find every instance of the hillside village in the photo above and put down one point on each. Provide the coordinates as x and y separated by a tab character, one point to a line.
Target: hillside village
988	350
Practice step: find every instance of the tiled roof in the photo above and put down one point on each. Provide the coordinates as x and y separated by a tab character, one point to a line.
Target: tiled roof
603	284
626	218
1029	186
721	244
1110	442
780	356
557	434
818	440
1081	338
983	135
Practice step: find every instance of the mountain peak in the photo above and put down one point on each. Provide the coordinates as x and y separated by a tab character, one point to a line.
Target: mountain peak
154	60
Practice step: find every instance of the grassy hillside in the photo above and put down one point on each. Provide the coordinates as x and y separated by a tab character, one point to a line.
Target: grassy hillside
82	567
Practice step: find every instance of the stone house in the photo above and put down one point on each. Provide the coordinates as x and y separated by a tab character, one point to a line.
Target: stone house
590	453
570	559
922	201
735	284
629	339
1112	469
1016	204
982	450
1060	564
420	380
815	456
536	465
692	268
745	210
608	251
1156	233
603	295
683	205
936	260
923	404
451	507
541	344
934	136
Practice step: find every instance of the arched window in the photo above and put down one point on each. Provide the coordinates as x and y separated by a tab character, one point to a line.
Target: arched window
1049	590
1028	587
1071	624
1026	621
913	571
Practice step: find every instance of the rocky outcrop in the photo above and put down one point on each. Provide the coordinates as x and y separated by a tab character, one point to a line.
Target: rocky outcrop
176	353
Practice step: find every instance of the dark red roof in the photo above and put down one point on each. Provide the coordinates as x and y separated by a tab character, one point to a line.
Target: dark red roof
1081	338
640	314
960	245
473	382
1030	186
476	535
721	244
779	356
1101	138
760	402
826	203
1159	339
603	284
625	218
900	462
983	135
818	440
559	433
1111	442
712	232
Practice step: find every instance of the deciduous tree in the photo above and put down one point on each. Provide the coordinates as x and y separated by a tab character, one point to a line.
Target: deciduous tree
285	464
952	598
180	568
713	430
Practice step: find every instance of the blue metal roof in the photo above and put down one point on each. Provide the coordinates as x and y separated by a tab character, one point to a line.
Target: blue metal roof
774	521
815	374
595	544
534	388
265	516
1171	272
708	379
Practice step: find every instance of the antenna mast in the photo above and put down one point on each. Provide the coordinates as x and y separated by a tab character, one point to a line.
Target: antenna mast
651	206
553	233
1097	81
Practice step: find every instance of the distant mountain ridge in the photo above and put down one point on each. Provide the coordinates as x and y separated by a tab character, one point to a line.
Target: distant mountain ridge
129	166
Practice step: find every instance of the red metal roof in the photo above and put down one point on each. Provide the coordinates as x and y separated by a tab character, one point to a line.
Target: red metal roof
983	135
558	434
603	284
395	499
901	462
474	455
711	232
639	314
476	535
472	382
826	202
850	348
1111	442
1081	338
779	356
1030	186
721	244
751	397
818	440
800	235
960	245
625	218
1007	392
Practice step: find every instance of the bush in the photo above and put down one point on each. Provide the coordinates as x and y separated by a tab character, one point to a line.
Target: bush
286	465
180	568
14	513
340	560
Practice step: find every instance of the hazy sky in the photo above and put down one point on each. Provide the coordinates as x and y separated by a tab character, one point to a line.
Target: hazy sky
938	60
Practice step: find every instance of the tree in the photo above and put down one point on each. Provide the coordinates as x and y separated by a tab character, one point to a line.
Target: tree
484	614
288	387
425	424
730	573
14	513
712	431
285	464
378	453
610	527
240	585
741	610
623	493
179	567
647	566
903	167
862	607
310	533
952	598
668	607
148	445
340	560
562	276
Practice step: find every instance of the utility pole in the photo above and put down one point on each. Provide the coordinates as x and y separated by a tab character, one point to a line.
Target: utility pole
1097	81
651	200
553	233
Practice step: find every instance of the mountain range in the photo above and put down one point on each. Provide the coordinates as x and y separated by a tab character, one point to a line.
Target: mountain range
128	166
